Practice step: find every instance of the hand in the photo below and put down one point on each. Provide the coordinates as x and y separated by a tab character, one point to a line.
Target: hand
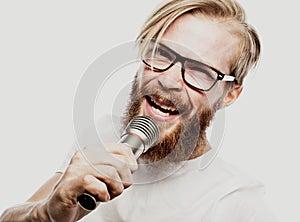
102	172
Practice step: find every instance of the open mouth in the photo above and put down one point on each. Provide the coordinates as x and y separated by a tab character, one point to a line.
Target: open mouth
161	108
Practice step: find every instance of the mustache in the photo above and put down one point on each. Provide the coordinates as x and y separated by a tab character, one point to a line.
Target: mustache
167	97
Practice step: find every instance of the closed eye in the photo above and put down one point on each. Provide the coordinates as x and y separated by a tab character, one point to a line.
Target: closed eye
202	71
161	53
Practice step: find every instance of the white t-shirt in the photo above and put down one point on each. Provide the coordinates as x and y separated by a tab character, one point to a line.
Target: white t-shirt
218	193
215	193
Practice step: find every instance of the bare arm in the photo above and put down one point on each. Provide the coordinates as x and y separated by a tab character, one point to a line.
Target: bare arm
46	189
56	201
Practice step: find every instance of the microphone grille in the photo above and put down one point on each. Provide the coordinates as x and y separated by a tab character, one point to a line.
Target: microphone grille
145	128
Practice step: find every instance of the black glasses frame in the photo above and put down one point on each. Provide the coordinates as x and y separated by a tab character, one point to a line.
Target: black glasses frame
179	58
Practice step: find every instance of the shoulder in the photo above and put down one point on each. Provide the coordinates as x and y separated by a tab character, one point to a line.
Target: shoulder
221	179
229	173
240	195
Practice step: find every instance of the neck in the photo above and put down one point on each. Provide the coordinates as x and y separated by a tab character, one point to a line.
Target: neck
201	148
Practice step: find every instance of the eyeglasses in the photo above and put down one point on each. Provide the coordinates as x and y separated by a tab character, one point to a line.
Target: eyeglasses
195	74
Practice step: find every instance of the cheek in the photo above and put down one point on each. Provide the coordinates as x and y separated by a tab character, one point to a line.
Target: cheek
198	100
215	94
204	100
145	76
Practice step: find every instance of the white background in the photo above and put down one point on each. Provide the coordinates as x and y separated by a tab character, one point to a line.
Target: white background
45	47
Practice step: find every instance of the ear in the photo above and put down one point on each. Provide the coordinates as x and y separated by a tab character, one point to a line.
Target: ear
232	95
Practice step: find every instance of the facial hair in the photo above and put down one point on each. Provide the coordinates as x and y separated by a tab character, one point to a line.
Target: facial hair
187	139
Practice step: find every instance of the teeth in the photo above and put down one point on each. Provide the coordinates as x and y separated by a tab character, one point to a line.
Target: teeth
157	111
165	107
168	108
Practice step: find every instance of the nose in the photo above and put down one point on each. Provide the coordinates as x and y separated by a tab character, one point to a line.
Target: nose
171	79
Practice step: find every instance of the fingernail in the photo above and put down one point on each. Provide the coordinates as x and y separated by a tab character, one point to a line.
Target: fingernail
107	198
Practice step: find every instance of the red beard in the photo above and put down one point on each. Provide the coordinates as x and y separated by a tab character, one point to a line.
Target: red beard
186	141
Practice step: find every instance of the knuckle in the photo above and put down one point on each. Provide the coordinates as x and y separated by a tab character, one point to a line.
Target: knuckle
127	184
108	147
103	191
87	180
127	149
117	190
134	167
111	173
122	164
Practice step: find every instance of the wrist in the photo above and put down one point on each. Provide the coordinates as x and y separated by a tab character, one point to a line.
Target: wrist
39	213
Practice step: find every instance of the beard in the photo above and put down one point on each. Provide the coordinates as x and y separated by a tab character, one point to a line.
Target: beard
187	139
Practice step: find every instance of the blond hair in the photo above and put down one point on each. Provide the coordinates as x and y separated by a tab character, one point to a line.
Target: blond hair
223	10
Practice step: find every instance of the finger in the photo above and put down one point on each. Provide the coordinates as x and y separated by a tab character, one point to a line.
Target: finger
96	187
122	158
124	169
102	154
123	150
118	161
121	174
110	176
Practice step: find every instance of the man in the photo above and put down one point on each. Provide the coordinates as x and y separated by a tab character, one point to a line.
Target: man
195	57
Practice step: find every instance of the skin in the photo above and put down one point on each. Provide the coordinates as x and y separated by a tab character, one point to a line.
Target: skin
215	38
56	200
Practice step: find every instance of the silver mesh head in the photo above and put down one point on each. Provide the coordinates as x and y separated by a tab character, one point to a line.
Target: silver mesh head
145	128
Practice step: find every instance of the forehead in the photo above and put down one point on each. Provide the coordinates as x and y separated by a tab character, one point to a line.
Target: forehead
210	40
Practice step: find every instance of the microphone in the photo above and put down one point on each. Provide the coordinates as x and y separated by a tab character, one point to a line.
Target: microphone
140	134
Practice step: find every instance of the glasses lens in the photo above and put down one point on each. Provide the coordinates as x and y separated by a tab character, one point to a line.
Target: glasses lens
158	56
196	74
199	75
